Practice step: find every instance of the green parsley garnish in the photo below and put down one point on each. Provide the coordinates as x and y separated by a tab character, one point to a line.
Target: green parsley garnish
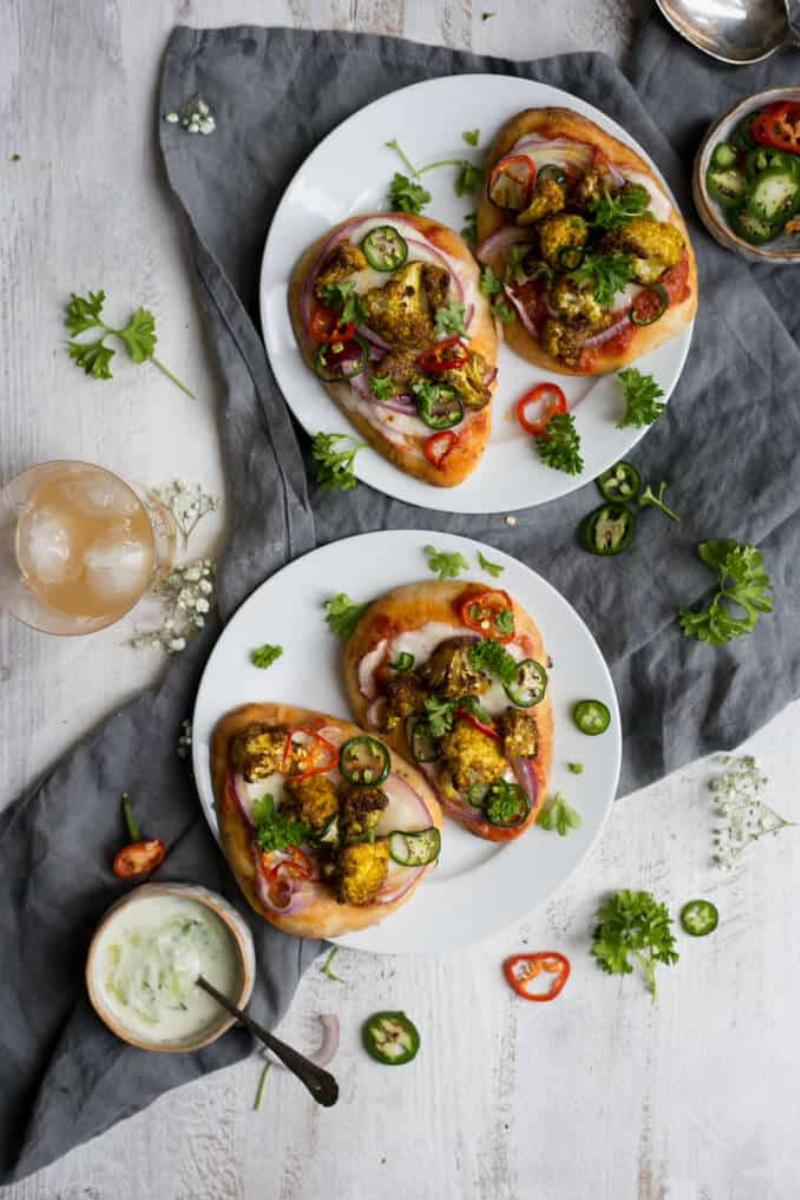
741	597
264	656
273	830
634	925
343	298
470	230
381	387
560	446
439	715
648	496
450	318
559	816
403	662
505	312
327	966
138	337
493	569
487	16
446	564
612	212
407	196
490	283
468	179
514	261
332	467
641	394
575	768
342	614
609	273
472	136
489	656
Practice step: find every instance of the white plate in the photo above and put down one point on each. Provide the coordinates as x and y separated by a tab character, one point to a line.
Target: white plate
348	173
478	887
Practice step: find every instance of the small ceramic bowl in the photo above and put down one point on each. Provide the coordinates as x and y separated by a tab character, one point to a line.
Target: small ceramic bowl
241	939
785	249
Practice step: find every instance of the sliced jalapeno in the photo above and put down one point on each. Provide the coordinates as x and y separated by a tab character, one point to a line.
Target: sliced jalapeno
551	171
591	717
506	805
384	248
724	156
335	361
403	662
529	686
423	746
476	793
570	257
699	917
364	760
390	1038
650	305
415	849
440	407
608	530
619	483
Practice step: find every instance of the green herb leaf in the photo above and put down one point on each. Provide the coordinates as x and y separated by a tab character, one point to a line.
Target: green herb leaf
490	283
468	179
405	160
439	715
84	312
342	614
648	496
641	394
575	768
403	662
327	966
558	816
343	298
94	357
407	196
472	136
470	230
139	335
634	926
487	16
613	212
741	597
264	656
560	446
273	830
445	564
505	312
609	273
381	387
489	656
333	467
514	260
450	318
493	569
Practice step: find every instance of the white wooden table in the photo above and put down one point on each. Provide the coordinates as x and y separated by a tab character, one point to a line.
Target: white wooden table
600	1095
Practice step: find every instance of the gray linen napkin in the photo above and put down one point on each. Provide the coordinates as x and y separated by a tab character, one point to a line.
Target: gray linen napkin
275	93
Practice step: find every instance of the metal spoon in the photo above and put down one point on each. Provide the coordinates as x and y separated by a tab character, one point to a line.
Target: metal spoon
733	31
320	1083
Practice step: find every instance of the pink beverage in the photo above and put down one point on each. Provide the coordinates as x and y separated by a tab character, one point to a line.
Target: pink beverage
85	547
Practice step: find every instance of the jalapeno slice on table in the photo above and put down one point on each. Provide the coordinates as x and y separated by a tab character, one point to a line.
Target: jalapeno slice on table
390	1038
415	849
336	361
591	717
699	917
440	407
423	746
619	483
506	805
384	248
530	685
364	760
608	530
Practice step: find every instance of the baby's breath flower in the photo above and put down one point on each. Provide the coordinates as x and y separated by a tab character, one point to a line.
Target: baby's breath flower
737	798
185	739
188	505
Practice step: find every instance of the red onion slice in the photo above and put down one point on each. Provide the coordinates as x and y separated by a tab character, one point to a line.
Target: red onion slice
490	377
367	666
302	892
522	313
607	334
235	785
400	884
526	777
373	338
502	239
327	1049
376	711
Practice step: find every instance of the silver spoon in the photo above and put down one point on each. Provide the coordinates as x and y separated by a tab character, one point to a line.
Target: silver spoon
320	1083
733	31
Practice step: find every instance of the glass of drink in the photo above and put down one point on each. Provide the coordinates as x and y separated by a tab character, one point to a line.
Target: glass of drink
79	547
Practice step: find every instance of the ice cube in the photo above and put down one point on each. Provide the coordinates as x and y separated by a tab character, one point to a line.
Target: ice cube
45	550
101	495
117	567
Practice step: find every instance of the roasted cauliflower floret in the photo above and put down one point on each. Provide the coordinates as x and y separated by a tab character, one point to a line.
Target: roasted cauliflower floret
400	367
471	756
436	284
258	751
548	199
468	380
563	339
520	732
313	801
450	673
557	233
400	311
405	695
362	871
344	260
360	811
591	186
574	303
653	245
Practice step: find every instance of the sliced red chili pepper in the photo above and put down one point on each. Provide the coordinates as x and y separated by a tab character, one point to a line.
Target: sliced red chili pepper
443	356
327	326
313	757
546	399
778	125
511	182
139	858
521	969
464	714
437	448
490	613
279	877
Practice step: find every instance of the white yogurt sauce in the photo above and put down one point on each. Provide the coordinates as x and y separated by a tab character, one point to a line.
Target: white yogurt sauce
147	960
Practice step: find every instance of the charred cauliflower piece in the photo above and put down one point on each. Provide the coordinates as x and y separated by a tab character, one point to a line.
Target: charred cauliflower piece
520	732
360	811
258	751
405	695
313	801
450	673
471	756
436	283
400	367
400	311
592	186
574	303
548	199
468	380
654	246
564	340
362	871
557	233
344	260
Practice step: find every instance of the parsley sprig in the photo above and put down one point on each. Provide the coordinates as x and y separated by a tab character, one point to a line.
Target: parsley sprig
613	212
450	318
559	816
560	446
343	298
407	196
446	564
342	614
642	398
608	273
493	569
264	656
489	656
634	926
742	595
274	831
138	337
332	464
